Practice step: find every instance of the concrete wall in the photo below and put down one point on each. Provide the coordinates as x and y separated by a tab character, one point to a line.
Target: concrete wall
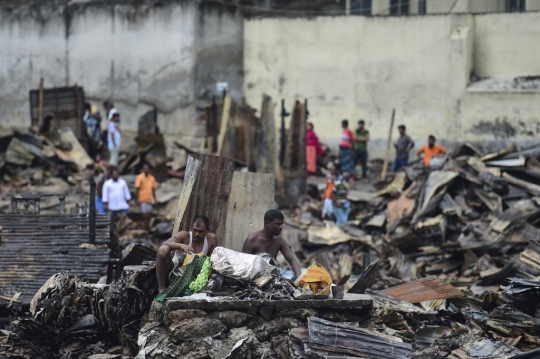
358	67
166	55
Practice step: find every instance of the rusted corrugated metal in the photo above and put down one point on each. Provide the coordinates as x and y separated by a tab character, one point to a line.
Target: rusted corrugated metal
66	103
428	288
531	257
34	247
252	194
206	190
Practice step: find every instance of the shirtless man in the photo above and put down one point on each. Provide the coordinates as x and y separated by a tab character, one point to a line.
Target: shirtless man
199	240
268	240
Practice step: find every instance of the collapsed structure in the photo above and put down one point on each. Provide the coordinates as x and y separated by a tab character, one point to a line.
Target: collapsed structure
447	256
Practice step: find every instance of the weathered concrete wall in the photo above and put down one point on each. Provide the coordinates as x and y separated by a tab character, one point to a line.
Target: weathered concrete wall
362	67
166	55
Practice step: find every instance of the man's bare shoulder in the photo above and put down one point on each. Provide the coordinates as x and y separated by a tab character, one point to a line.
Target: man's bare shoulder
252	236
180	236
212	237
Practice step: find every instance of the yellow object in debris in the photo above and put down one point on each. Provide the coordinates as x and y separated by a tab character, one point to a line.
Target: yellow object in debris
315	278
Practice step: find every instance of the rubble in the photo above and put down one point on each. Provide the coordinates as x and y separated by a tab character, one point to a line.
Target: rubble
72	318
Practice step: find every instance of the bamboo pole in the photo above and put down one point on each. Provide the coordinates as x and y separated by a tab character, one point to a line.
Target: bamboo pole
40	103
388	146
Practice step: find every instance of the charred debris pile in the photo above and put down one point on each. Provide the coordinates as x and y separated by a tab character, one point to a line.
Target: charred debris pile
449	254
74	319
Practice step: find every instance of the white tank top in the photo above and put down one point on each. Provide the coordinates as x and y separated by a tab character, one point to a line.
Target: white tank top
177	256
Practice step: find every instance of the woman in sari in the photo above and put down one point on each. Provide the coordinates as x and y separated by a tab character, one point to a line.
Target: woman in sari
347	162
313	149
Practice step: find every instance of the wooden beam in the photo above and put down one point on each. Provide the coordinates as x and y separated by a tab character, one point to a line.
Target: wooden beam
388	146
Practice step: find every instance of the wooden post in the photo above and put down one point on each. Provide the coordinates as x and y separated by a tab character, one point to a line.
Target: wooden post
40	104
388	146
224	124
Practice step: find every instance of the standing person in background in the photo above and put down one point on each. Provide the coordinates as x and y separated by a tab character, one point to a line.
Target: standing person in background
114	139
430	150
361	139
110	110
146	190
403	145
331	178
346	155
313	149
104	173
92	120
116	195
339	199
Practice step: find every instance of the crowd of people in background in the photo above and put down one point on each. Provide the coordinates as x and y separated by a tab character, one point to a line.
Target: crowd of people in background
353	152
112	192
105	133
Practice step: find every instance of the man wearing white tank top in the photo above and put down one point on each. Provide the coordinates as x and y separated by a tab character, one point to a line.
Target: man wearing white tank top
198	240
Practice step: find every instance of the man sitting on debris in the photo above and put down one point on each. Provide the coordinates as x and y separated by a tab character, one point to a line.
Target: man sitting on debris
146	189
268	240
198	240
430	150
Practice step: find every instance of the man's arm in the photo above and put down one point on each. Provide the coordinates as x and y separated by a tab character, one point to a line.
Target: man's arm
137	187
290	257
113	128
163	257
127	195
420	151
443	150
212	243
154	187
176	242
105	197
362	139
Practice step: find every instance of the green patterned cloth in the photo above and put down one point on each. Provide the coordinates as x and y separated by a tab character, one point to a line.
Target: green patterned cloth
180	286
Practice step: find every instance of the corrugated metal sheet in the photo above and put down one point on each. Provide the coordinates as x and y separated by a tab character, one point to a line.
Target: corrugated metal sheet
206	190
531	257
18	154
428	288
66	103
252	194
347	339
34	247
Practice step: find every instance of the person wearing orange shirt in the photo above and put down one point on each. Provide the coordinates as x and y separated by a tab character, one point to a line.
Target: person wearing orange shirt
430	150
146	190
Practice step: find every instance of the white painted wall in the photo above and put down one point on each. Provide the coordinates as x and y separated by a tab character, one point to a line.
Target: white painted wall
169	56
361	67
